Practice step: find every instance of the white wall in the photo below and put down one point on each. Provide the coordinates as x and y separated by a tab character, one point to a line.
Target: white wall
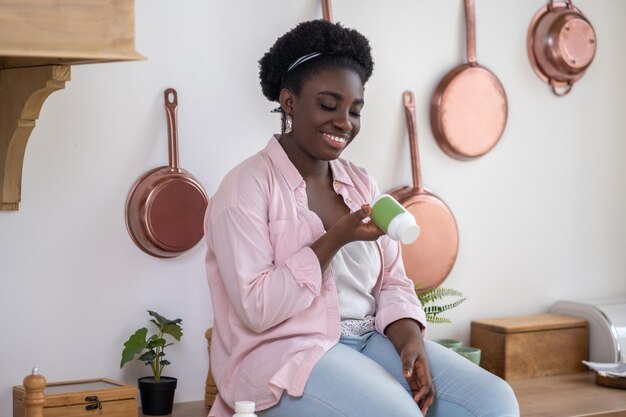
541	217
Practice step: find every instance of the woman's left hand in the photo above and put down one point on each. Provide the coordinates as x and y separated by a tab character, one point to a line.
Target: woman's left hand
417	373
406	336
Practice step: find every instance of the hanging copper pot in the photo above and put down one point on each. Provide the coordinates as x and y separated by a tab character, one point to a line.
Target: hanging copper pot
561	44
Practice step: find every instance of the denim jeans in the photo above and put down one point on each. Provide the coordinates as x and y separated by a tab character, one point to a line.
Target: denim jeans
362	377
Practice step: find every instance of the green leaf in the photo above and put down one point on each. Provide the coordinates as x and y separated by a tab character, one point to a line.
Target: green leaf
174	330
429	296
148	356
444	307
156	342
439	320
165	362
162	321
134	345
434	294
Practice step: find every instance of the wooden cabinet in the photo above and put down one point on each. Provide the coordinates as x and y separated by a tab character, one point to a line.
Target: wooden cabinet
39	41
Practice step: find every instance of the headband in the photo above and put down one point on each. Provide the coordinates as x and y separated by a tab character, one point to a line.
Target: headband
293	65
303	59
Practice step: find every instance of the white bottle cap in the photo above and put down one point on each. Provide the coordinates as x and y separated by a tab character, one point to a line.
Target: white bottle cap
244	407
404	228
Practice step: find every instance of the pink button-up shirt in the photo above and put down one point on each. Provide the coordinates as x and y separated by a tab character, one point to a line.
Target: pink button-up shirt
276	312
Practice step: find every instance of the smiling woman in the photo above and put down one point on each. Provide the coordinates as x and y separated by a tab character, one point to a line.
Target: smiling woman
328	106
314	314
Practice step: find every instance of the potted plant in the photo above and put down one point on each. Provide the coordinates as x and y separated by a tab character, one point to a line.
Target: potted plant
429	297
156	391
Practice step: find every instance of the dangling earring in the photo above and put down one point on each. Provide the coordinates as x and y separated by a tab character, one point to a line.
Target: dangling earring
288	124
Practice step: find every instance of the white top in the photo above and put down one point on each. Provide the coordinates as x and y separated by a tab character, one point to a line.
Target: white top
356	268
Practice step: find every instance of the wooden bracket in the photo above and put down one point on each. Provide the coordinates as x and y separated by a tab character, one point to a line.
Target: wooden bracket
22	94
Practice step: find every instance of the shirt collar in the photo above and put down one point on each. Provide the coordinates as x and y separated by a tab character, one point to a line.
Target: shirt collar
340	174
283	164
290	172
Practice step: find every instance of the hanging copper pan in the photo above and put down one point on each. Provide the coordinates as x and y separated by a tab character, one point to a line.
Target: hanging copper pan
561	44
469	108
165	208
430	258
327	11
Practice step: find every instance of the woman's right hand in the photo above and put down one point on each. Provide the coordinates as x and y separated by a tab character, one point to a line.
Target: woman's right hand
349	228
352	227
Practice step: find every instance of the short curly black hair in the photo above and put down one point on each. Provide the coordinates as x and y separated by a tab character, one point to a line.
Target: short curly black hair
338	47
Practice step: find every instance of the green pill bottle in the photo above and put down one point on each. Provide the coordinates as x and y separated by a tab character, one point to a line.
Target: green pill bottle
394	219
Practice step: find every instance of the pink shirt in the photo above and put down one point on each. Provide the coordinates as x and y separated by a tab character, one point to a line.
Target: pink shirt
276	312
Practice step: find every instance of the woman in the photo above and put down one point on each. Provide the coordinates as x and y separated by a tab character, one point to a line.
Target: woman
314	314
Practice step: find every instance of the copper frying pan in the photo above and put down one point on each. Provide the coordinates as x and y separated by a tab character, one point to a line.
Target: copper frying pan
469	108
165	208
430	258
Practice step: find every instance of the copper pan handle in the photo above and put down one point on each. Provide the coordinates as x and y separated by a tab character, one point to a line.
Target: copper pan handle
552	5
327	11
409	109
172	132
566	88
470	27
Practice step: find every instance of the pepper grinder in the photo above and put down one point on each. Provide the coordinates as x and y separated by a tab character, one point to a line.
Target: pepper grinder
34	397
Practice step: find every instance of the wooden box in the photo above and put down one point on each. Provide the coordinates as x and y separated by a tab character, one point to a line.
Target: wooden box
94	397
532	346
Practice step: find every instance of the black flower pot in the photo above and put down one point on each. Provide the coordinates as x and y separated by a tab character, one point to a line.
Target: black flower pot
157	398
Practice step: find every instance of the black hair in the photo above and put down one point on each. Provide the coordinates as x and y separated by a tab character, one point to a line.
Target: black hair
339	47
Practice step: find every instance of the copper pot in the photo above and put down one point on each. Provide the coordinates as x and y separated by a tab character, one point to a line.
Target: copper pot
561	44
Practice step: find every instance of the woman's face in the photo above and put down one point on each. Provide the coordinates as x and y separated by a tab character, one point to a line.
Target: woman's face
326	113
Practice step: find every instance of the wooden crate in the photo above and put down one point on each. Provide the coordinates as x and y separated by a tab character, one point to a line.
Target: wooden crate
532	346
78	398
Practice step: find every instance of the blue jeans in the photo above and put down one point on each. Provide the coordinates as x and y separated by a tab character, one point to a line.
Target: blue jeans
362	377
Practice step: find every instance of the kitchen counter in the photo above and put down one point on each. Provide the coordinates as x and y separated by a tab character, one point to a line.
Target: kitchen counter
571	395
567	396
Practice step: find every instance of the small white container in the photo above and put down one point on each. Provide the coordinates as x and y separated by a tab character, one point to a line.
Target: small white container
244	409
394	219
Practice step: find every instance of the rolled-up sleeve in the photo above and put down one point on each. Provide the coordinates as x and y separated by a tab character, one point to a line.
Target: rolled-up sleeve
397	298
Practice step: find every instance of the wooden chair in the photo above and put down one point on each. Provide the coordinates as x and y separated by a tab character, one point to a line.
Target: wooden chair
210	389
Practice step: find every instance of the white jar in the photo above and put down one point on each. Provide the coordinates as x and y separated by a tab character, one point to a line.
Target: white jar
394	219
244	409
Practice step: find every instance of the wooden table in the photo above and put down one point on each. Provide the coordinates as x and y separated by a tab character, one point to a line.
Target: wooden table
573	395
568	396
189	409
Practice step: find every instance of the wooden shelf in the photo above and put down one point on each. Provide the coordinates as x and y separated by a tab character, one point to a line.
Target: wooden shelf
66	32
39	40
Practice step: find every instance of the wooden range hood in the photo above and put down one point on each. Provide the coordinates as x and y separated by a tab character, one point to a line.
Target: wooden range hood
39	41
